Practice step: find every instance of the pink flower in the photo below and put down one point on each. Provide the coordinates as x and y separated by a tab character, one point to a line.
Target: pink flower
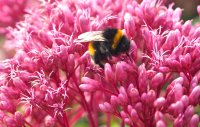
51	81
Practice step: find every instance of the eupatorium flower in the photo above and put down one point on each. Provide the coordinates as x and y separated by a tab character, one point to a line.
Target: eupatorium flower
50	81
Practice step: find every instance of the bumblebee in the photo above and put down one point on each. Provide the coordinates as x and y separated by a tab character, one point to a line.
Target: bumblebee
105	44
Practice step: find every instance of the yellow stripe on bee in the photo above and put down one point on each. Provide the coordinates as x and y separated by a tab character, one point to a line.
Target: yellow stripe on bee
91	49
116	39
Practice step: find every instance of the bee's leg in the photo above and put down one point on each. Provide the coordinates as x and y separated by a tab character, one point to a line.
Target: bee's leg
109	55
105	51
97	60
101	65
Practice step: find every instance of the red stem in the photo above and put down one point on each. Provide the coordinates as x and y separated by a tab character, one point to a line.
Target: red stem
83	98
65	119
87	107
28	124
108	120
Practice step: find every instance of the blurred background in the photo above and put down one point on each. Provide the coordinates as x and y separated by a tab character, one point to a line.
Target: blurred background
189	8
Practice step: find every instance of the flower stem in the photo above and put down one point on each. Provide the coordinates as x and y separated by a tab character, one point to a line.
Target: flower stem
28	124
65	119
82	96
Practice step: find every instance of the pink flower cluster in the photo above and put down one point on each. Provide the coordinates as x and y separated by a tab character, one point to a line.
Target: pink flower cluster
51	80
11	11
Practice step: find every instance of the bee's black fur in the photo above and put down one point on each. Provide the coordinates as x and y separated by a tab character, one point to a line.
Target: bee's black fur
123	46
109	33
102	52
104	49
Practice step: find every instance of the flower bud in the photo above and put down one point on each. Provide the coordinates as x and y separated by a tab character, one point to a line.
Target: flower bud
130	8
84	58
109	76
198	10
172	40
84	23
157	80
147	35
160	123
129	25
186	28
173	64
133	93
195	95
71	62
144	98
158	116
164	69
63	53
176	52
185	100
196	32
186	60
160	102
123	99
194	121
10	92
185	79
178	80
10	122
139	107
19	84
49	121
135	118
127	121
106	107
178	91
139	12
134	115
114	101
7	105
123	114
193	83
189	112
160	18
151	96
178	25
89	85
19	118
177	14
176	108
28	111
129	108
178	122
121	74
88	80
142	79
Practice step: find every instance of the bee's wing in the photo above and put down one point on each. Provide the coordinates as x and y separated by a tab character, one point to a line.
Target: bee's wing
91	36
